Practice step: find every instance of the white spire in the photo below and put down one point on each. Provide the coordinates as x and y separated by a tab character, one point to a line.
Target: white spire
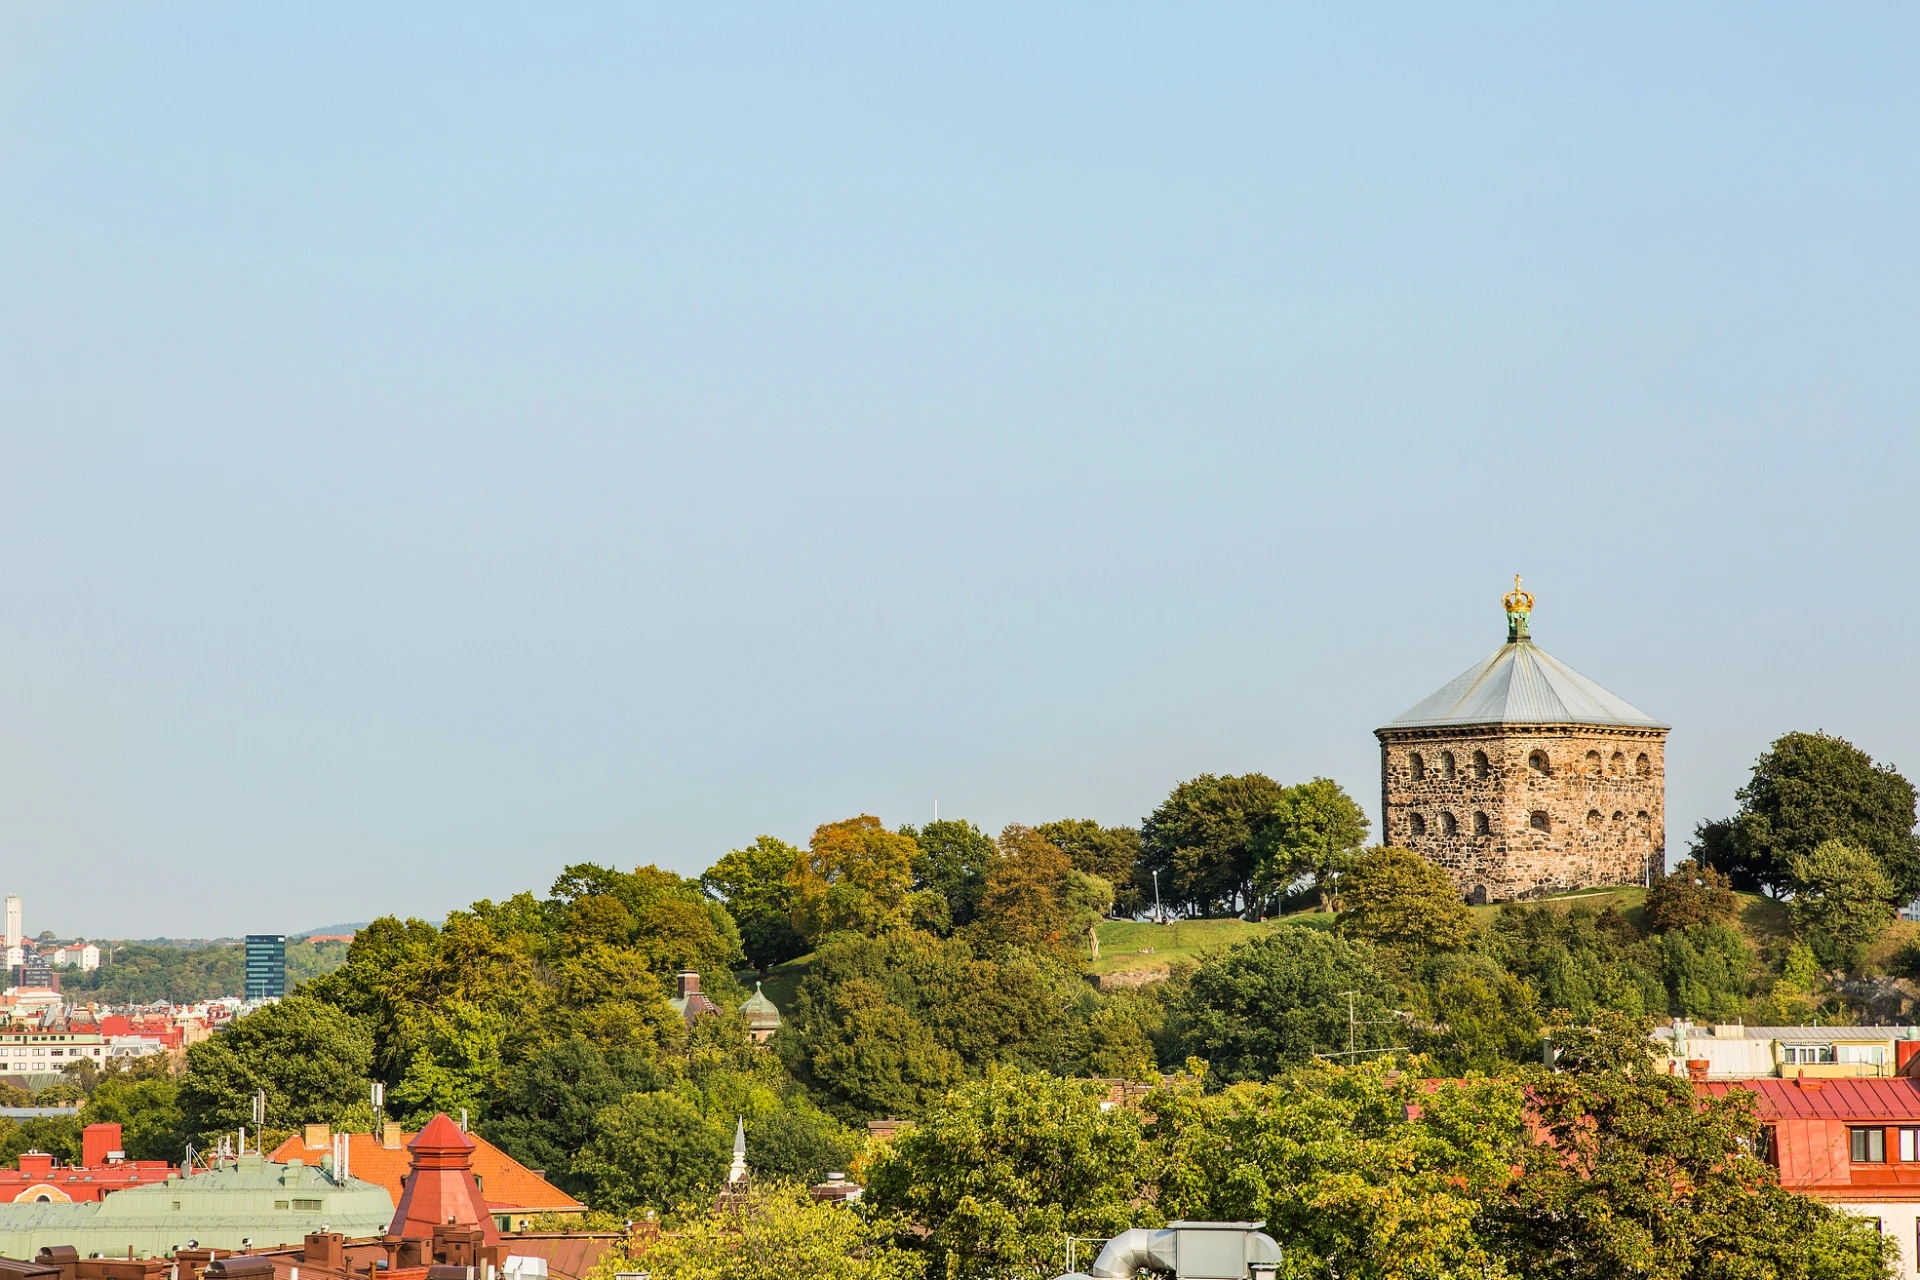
738	1173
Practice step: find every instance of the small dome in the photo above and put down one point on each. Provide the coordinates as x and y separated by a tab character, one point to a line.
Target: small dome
761	1012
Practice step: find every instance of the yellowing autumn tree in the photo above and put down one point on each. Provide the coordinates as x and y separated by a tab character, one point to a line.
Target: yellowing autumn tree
854	876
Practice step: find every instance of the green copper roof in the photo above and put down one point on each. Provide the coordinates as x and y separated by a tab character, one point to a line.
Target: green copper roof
246	1198
757	1003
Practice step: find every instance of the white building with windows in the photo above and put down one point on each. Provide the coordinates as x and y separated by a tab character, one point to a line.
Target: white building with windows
86	956
46	1051
1736	1052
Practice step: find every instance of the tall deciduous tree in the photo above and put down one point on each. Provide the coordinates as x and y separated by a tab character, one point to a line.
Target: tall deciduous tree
1004	1168
1842	899
755	884
1206	839
1809	788
311	1059
1111	853
1358	1171
1690	894
855	876
1034	898
1275	1001
1317	832
952	862
1643	1176
653	1151
1396	898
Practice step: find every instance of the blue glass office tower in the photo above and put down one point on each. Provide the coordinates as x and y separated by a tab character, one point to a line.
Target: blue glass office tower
266	966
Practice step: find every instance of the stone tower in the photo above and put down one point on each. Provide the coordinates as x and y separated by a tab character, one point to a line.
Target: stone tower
1521	777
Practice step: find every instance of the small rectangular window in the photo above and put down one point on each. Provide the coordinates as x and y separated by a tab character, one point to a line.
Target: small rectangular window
1869	1146
1909	1145
307	1206
279	1204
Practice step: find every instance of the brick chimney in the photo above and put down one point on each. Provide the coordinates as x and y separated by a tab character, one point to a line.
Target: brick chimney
689	984
441	1190
36	1164
1697	1069
97	1141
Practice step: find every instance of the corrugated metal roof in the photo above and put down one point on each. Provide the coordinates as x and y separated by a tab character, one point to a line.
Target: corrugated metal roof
1522	684
1896	1099
1827	1033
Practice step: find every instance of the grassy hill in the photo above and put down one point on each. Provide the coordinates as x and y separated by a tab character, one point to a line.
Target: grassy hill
1133	952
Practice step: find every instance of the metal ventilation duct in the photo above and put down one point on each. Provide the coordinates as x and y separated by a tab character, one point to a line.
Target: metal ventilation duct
1188	1251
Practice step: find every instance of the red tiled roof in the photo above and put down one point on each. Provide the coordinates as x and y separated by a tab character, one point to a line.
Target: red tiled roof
507	1185
1897	1099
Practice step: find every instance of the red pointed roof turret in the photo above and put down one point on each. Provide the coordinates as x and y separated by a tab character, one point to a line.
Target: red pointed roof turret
441	1188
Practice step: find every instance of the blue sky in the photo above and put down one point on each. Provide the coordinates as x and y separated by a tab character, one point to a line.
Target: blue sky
445	443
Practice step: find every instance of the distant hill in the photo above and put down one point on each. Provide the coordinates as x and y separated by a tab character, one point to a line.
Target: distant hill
327	929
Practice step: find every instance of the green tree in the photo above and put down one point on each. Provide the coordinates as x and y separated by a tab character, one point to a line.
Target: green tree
673	924
652	1151
543	1108
1034	898
779	1233
1690	894
1276	1000
1807	789
147	1109
1396	898
1482	1018
1109	853
1643	1176
1206	840
1842	900
1003	1168
311	1059
1317	832
798	1144
754	882
58	1136
952	863
881	1026
1708	969
855	877
1359	1171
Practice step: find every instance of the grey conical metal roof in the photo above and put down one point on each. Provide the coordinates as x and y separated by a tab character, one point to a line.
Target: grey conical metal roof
1522	684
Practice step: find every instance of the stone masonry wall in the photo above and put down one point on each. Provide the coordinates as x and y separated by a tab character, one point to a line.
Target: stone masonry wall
1562	806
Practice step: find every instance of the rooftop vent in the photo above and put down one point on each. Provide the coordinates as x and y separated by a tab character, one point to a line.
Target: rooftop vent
1188	1251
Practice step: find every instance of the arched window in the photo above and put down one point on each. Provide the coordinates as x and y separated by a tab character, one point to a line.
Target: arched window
1417	825
1448	825
1641	765
1418	766
1539	821
1480	827
1480	769
1446	765
1593	762
1537	761
1642	817
1619	817
1617	765
1594	820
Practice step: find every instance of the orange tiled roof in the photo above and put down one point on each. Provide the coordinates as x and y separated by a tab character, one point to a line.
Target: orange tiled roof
508	1185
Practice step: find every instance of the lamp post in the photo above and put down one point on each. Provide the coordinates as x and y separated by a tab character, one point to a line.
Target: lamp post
1159	916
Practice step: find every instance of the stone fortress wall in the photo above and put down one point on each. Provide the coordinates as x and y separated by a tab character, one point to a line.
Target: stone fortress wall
1517	811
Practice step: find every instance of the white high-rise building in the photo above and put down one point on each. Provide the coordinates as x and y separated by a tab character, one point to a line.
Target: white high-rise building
16	954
